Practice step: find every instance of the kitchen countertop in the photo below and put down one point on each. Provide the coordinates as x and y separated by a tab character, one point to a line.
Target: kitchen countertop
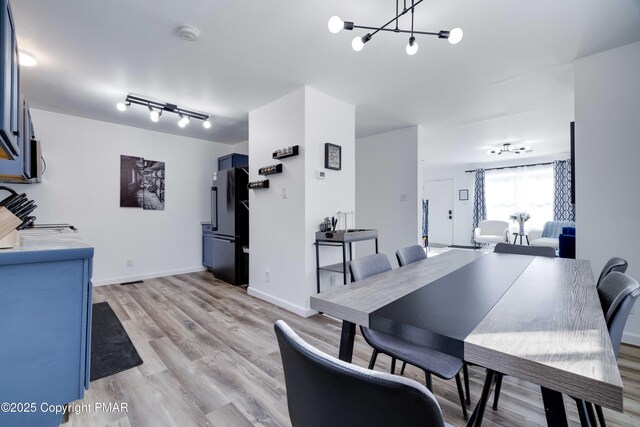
42	243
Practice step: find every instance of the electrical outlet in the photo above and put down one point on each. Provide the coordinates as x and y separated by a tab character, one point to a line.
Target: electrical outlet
285	193
320	174
129	262
403	197
267	276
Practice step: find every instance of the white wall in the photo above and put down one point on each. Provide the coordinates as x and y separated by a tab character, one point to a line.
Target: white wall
387	190
282	230
82	187
607	90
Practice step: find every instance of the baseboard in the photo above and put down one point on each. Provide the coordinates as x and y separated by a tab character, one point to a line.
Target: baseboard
633	339
124	279
300	311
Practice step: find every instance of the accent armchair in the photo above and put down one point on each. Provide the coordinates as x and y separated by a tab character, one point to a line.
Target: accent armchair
491	232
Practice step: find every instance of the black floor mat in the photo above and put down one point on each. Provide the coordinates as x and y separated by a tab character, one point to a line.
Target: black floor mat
111	349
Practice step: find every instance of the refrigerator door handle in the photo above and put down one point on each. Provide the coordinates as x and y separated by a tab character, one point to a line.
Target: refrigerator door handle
214	208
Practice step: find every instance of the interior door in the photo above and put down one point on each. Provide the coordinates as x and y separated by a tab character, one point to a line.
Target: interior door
440	196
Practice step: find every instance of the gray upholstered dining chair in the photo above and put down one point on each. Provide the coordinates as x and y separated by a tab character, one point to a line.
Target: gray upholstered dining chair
618	293
325	391
429	360
507	248
410	255
614	264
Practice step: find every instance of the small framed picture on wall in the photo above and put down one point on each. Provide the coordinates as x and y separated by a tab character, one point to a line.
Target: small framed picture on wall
463	195
332	156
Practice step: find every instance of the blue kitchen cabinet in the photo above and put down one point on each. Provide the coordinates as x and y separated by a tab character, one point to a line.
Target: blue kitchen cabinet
9	85
20	169
45	325
234	160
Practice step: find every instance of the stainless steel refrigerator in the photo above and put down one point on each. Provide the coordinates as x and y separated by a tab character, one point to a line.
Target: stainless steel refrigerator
230	223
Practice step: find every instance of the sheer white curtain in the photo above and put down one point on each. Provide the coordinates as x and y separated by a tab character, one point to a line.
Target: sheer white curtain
523	189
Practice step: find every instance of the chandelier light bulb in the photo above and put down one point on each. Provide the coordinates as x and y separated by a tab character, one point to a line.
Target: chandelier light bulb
121	106
184	121
206	124
412	46
455	36
27	59
357	44
335	24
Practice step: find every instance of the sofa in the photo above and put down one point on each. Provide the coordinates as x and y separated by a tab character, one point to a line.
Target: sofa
548	236
491	232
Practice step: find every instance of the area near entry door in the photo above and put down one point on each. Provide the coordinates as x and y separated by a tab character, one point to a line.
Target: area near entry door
440	196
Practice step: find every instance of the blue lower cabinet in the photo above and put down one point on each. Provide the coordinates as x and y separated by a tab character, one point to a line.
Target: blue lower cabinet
45	327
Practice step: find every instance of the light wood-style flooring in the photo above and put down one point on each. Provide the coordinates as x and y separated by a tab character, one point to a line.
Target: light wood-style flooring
211	358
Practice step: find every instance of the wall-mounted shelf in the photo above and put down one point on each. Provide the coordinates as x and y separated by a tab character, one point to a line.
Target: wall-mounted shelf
256	185
270	170
283	153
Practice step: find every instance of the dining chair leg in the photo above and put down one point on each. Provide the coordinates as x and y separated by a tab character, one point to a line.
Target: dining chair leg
592	416
582	413
461	396
393	365
427	380
465	372
374	356
404	365
478	412
496	394
601	420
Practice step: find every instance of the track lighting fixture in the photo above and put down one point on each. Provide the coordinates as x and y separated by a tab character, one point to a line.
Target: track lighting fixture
336	24
157	108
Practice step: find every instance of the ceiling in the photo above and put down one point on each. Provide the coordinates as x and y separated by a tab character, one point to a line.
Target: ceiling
516	59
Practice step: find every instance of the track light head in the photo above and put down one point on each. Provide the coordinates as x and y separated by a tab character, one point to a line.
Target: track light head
154	115
412	46
206	124
184	121
121	106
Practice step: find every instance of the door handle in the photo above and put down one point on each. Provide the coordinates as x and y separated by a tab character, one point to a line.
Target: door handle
223	240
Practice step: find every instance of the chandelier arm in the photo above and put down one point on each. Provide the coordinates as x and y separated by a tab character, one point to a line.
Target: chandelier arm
412	13
397	5
362	27
383	28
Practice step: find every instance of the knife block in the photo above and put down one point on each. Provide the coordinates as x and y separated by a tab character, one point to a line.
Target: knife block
10	241
8	224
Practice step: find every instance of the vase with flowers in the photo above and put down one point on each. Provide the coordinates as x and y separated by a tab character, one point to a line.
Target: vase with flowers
520	218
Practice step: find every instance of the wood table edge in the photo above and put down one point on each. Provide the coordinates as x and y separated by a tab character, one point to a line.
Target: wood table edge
611	396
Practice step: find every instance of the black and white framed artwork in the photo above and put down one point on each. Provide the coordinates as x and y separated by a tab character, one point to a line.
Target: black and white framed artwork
141	183
332	156
463	195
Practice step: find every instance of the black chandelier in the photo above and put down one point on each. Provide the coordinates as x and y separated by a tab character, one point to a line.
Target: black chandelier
508	148
336	24
157	108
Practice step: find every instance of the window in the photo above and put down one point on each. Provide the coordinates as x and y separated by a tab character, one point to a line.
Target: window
528	189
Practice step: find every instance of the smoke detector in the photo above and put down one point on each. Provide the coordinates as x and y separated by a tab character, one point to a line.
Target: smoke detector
189	34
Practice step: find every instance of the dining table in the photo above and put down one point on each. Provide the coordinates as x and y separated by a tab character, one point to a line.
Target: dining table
538	319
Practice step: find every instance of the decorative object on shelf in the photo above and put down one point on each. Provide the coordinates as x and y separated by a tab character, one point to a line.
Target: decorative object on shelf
336	25
520	218
463	194
270	170
254	185
142	183
283	153
332	156
156	109
508	148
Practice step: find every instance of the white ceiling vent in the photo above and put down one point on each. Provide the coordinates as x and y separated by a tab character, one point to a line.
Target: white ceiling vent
189	34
